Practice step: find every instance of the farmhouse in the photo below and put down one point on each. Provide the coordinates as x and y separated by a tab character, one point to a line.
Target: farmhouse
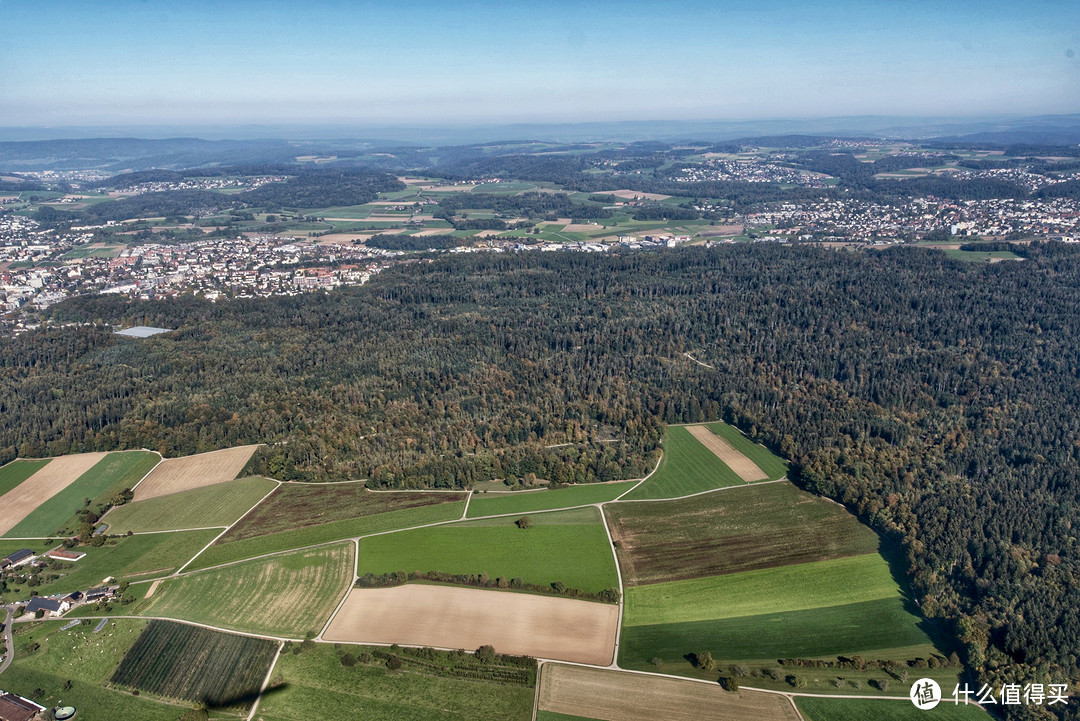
51	606
96	594
17	708
62	554
19	558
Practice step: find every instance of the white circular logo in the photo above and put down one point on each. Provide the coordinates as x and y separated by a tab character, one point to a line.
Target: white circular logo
925	693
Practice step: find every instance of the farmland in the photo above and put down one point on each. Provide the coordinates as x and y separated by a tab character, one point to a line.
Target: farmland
226	551
218	505
284	595
316	678
183	474
124	558
737	530
827	631
784	588
449	617
773	466
109	476
74	665
566	546
297	505
46	482
821	709
14	473
525	502
620	696
688	466
188	663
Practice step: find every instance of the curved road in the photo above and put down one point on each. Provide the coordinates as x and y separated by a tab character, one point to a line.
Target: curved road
9	642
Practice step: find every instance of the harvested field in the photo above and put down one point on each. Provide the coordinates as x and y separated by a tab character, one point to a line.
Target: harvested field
582	227
743	466
16	472
631	194
183	474
620	696
742	529
299	505
722	230
515	623
342	238
58	515
52	478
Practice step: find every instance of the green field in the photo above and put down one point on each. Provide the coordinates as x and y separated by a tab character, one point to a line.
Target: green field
689	467
217	505
523	502
979	256
770	590
197	665
827	631
123	558
286	595
315	678
755	526
823	709
108	476
567	546
283	541
14	473
85	660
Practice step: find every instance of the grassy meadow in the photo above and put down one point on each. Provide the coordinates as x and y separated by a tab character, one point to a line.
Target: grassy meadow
73	666
823	709
286	595
316	678
689	467
127	558
567	546
217	505
769	590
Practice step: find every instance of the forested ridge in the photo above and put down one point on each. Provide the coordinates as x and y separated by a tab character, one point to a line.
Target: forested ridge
937	399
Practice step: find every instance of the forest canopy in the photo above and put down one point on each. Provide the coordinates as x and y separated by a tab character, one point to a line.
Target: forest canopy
937	399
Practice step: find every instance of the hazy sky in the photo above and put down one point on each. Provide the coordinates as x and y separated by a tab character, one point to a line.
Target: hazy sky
457	61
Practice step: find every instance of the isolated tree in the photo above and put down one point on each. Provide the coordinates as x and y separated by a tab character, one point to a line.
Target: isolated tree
523	522
486	653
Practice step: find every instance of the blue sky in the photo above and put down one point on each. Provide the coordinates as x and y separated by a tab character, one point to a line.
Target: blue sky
421	62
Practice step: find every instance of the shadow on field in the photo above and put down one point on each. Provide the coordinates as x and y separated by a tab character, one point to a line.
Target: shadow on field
244	700
893	552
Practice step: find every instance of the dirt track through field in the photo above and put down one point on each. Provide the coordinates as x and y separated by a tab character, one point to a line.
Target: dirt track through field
182	474
53	477
620	696
517	623
743	466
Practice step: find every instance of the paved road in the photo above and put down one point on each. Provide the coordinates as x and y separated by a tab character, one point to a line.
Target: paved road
8	640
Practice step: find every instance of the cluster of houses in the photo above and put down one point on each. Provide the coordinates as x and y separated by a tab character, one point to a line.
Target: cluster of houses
61	603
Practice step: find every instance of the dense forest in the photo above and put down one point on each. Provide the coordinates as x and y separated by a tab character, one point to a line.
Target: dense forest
939	400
